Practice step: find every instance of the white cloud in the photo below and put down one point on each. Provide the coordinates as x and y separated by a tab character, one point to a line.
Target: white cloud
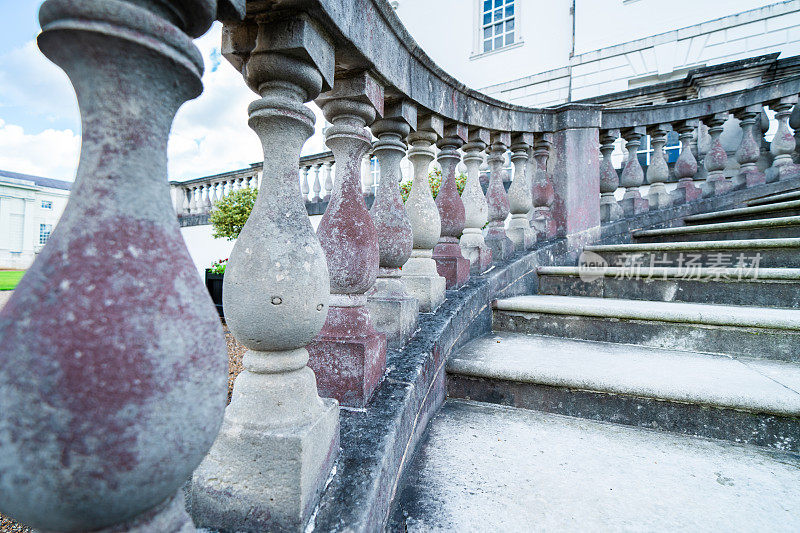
51	153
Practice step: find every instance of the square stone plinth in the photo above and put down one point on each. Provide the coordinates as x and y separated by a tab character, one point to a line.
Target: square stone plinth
451	265
782	172
748	178
634	205
715	187
264	478
395	317
480	259
501	246
685	192
428	289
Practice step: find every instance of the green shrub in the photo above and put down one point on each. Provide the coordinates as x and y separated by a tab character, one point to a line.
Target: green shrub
231	212
435	181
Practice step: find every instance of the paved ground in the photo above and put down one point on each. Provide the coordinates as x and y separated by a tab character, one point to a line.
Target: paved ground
490	468
4	296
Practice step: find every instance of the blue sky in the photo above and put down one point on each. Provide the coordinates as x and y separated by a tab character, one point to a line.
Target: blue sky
40	123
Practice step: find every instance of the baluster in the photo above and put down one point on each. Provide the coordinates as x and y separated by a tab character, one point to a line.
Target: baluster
610	210
419	273
366	175
497	199
317	185
716	158
207	198
327	176
543	193
782	145
520	199
762	125
686	165
279	439
349	355
485	171
392	308
633	175
450	264
192	200
112	358
304	182
476	210
794	122
748	153
657	170
185	205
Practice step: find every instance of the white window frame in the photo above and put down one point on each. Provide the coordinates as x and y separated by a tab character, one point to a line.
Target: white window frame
478	40
45	230
49	204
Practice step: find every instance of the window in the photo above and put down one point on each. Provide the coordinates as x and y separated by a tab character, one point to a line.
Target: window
44	232
672	149
47	204
497	24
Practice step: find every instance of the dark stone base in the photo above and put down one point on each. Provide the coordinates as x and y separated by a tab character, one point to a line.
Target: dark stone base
634	205
451	265
716	187
782	172
348	356
501	246
686	192
748	179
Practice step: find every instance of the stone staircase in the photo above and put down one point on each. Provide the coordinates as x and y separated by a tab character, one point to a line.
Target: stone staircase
657	389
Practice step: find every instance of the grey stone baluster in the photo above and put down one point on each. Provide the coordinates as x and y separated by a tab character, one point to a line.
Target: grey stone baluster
419	273
485	171
186	204
349	355
748	153
450	264
194	206
543	193
783	144
633	175
657	170
279	439
686	164
610	210
520	200
207	201
765	157
716	158
304	190
392	308
317	185
794	122
327	174
497	198
112	358
476	210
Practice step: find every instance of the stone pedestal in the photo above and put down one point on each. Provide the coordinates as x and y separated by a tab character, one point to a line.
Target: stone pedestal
474	249
423	281
392	308
349	354
450	264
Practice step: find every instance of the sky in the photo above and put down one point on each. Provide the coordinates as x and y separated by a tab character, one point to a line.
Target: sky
40	125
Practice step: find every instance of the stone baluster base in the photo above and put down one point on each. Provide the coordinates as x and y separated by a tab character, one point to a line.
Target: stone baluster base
450	263
474	249
423	281
392	308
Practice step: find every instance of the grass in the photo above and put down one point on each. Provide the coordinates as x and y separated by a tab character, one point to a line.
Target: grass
10	278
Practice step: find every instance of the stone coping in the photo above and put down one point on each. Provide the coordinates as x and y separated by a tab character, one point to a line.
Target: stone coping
737	244
722	226
688	272
752	210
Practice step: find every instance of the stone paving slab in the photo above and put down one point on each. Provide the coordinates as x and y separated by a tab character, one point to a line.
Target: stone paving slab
489	468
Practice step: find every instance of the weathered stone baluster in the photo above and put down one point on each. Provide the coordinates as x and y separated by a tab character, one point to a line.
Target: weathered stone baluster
419	273
716	158
349	355
304	190
686	164
657	170
783	144
317	187
520	193
392	308
748	153
497	198
279	439
207	201
485	171
328	180
367	182
112	358
476	210
633	175
193	201
186	203
450	264
794	122
610	210
765	157
542	191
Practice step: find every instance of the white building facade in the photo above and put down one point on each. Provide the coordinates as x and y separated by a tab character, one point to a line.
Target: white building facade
30	207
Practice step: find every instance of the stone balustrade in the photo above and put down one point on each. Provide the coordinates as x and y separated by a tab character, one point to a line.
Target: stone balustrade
119	361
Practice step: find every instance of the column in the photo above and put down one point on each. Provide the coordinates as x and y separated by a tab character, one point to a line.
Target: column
349	355
279	439
419	273
392	308
304	190
317	185
686	164
716	158
633	175
497	199
326	179
610	210
542	191
520	200
114	363
476	210
783	144
748	153
450	264
657	170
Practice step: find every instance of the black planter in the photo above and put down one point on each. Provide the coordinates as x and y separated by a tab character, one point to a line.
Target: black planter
214	286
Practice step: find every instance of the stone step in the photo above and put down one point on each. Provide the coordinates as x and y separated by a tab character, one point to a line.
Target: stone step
768	228
758	332
743	400
772	198
772	210
770	253
494	468
764	287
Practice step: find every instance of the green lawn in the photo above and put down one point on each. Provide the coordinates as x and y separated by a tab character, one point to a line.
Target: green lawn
10	278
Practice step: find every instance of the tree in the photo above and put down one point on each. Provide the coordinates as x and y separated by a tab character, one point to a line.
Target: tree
435	181
231	212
